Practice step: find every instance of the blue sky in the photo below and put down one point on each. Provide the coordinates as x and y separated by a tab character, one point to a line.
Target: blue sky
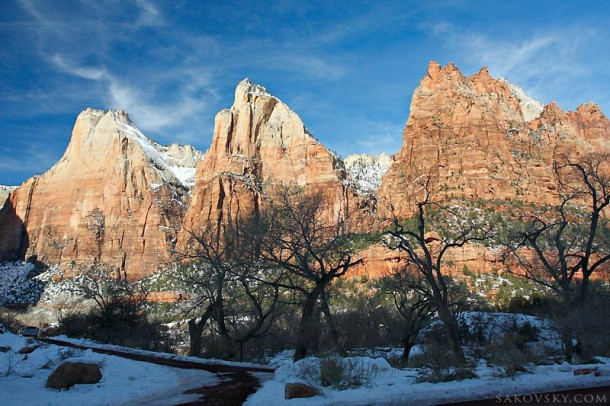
348	68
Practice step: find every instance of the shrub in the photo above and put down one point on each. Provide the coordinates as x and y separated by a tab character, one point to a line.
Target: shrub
509	353
341	373
116	326
331	372
447	375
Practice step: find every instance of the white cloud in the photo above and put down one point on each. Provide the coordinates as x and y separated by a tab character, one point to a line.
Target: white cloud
82	72
149	14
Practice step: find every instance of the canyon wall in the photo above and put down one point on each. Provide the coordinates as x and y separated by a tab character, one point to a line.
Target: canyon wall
110	199
480	137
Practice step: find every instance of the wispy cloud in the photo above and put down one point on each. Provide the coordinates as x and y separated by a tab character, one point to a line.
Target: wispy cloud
80	71
543	62
149	14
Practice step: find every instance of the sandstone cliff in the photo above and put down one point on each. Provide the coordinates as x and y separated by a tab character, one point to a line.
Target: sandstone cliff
480	137
259	142
111	198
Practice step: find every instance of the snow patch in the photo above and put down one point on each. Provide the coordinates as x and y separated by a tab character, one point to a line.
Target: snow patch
177	164
364	172
4	192
530	108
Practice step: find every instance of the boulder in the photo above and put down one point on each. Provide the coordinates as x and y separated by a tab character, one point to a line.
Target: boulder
298	390
69	374
586	371
28	350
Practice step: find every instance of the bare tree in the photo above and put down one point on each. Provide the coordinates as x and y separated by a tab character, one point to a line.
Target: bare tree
220	275
412	300
203	271
295	238
110	290
561	246
433	230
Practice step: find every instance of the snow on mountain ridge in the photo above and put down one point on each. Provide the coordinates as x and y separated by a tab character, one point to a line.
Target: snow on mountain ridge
175	162
4	192
364	172
530	108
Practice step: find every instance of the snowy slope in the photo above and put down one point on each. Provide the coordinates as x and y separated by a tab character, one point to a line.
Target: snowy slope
530	108
364	172
177	163
18	283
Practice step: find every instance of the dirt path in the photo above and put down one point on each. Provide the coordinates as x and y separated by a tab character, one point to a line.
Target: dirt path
234	389
236	382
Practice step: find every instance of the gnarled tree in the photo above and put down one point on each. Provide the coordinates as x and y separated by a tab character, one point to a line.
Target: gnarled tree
221	277
561	246
304	249
426	237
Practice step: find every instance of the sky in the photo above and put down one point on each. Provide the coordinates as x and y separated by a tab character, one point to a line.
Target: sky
348	68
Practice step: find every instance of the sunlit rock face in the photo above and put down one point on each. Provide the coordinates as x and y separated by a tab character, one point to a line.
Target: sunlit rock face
110	199
259	143
481	137
118	198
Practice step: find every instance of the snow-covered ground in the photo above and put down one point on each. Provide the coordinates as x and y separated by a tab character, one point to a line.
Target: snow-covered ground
124	382
384	385
390	386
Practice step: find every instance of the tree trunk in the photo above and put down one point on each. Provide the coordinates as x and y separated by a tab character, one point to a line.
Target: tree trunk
308	326
228	347
453	333
406	350
196	331
331	325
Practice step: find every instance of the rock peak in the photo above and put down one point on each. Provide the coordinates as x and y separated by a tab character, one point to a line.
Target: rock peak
246	87
434	70
450	67
484	72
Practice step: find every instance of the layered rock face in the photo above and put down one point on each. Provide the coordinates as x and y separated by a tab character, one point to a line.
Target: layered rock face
111	199
257	144
480	137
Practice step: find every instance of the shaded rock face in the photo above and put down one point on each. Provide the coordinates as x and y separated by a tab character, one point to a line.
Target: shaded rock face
111	199
69	374
480	137
257	144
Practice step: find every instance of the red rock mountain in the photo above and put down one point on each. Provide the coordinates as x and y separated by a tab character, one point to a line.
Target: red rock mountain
482	137
116	197
110	199
257	143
